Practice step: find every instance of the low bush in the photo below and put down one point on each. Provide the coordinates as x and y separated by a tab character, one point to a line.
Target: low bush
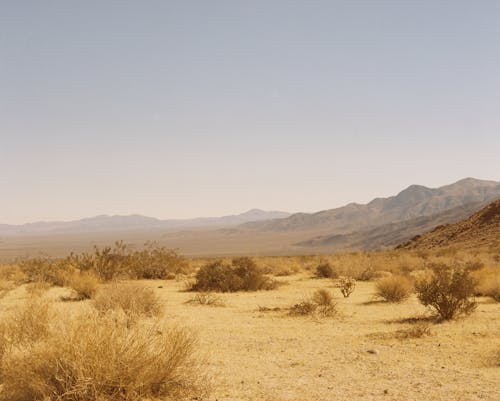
241	275
325	270
93	357
449	290
394	288
133	299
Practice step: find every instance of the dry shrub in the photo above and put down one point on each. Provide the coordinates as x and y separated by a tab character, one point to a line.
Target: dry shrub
394	288
325	270
92	357
449	290
488	283
43	269
241	275
84	284
346	286
321	304
134	300
206	298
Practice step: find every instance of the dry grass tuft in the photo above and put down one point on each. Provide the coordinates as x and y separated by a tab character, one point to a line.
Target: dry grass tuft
135	300
93	357
84	284
321	304
418	330
488	282
394	288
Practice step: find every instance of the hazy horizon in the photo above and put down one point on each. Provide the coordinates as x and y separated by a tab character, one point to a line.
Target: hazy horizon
184	109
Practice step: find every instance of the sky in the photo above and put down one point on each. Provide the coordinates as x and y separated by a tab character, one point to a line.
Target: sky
177	109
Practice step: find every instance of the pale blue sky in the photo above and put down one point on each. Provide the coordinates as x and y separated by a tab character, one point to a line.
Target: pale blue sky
196	108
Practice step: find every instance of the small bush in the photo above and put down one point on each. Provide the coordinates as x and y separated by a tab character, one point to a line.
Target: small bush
325	270
449	290
242	275
346	285
206	298
91	357
394	288
133	299
321	304
84	284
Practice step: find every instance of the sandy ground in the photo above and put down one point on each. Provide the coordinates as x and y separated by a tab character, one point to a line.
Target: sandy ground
271	356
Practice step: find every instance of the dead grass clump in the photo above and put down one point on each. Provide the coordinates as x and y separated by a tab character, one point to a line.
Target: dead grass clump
5	287
321	304
449	290
206	298
44	269
418	330
394	288
92	357
241	275
133	299
84	284
325	270
346	285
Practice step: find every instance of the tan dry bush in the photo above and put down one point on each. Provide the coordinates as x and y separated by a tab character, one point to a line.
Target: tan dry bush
84	284
488	282
133	299
92	357
394	288
37	288
28	322
325	270
5	287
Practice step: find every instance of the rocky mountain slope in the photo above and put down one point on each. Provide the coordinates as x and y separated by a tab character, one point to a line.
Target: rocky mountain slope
479	230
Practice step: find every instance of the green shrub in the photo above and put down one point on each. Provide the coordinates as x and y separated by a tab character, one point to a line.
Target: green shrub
449	290
325	270
241	275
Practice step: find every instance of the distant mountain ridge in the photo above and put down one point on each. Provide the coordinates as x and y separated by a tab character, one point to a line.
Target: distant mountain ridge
414	201
135	221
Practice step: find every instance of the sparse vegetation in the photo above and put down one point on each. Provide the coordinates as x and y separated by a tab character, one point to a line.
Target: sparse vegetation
394	288
84	284
449	290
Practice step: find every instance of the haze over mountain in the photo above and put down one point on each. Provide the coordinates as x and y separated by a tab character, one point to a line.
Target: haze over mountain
479	230
135	222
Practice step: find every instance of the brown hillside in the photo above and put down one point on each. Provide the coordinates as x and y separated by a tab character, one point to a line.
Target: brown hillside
479	230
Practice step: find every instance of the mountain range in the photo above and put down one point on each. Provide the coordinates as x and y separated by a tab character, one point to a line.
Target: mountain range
135	222
381	223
